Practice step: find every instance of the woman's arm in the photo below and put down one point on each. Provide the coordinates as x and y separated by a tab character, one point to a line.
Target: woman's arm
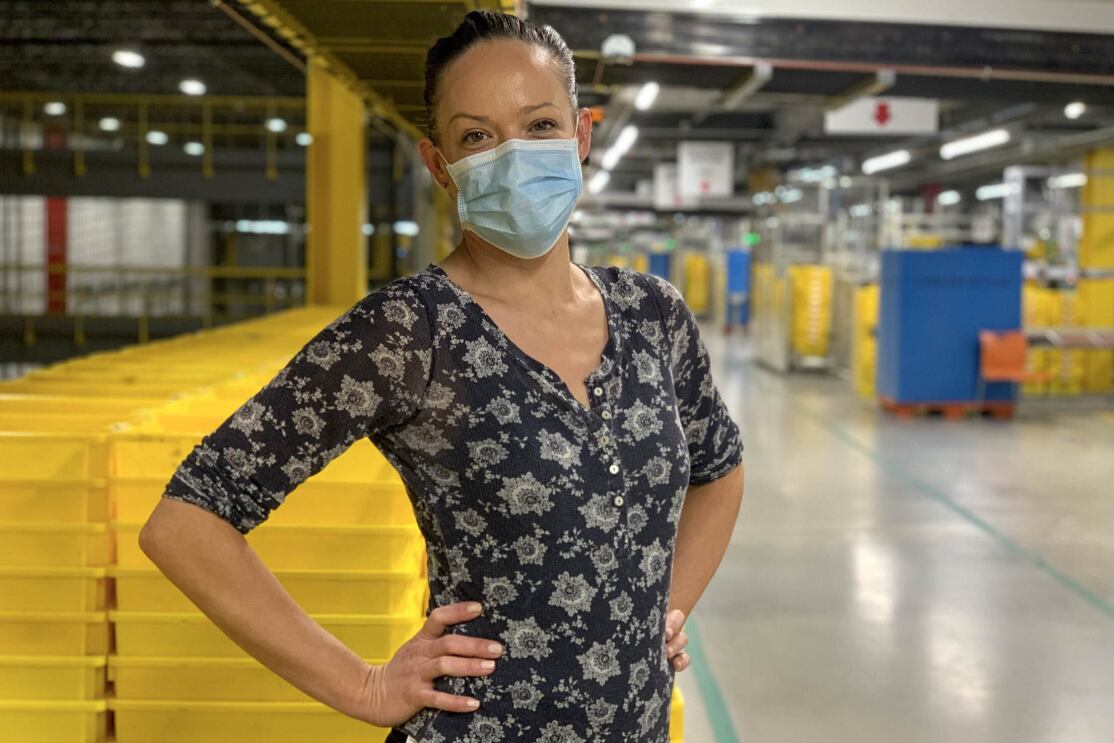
707	521
213	565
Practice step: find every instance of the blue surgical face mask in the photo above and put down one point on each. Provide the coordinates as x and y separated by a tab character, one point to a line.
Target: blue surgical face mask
520	195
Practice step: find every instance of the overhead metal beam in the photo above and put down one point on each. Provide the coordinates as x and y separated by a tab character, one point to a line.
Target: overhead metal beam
289	27
882	81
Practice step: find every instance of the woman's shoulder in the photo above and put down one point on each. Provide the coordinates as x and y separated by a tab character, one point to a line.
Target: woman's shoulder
635	291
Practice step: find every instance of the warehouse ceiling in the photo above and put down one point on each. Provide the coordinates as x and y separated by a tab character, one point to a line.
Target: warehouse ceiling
257	48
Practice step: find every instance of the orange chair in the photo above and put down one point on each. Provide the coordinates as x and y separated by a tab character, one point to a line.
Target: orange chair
1002	358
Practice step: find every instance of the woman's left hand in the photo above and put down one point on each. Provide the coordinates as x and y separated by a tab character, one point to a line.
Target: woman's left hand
675	640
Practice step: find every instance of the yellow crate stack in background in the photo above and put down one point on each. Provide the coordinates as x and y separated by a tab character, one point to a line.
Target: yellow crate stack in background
95	643
811	324
864	342
54	550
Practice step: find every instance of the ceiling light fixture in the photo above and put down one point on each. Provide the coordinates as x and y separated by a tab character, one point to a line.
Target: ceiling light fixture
598	182
128	58
646	96
1075	109
1068	180
977	143
156	137
995	191
192	86
622	144
889	161
109	124
949	198
194	148
54	108
275	125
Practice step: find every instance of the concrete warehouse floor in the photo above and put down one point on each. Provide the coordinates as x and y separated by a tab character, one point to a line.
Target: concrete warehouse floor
922	581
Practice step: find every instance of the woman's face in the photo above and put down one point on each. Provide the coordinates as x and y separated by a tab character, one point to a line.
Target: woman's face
499	90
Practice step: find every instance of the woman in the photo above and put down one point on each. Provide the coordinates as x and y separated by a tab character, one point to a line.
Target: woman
549	421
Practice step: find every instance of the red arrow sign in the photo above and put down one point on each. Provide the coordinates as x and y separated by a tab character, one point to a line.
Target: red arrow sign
882	113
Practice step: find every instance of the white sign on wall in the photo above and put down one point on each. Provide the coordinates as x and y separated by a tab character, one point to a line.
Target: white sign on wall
885	116
666	195
706	168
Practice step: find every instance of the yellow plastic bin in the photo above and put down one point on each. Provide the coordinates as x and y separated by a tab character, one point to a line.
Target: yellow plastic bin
52	456
53	677
54	544
192	635
54	633
677	716
156	721
377	547
67	501
46	588
316	502
202	679
54	721
316	591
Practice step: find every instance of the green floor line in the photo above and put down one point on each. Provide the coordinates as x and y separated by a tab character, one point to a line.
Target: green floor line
905	476
723	730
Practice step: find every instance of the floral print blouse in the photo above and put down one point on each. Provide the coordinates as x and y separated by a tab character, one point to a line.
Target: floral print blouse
560	518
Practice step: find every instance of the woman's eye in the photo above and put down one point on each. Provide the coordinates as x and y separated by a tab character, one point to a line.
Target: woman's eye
473	137
547	124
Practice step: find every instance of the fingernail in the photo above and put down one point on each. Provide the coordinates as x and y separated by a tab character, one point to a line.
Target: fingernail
474	607
495	648
473	703
487	664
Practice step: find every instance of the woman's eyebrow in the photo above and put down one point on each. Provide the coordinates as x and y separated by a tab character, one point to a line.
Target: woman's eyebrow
525	109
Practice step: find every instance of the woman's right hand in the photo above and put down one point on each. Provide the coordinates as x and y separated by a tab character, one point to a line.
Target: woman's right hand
399	689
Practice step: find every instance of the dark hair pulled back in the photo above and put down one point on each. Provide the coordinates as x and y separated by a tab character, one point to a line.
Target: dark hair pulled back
485	25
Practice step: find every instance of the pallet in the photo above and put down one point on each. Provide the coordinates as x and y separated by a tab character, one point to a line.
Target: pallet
996	409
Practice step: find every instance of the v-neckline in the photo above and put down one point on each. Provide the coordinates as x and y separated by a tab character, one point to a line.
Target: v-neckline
608	356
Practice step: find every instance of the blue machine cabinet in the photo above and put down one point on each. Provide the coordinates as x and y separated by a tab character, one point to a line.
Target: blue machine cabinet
659	265
738	286
932	306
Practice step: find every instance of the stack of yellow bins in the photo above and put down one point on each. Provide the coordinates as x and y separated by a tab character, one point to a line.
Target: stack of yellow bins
54	549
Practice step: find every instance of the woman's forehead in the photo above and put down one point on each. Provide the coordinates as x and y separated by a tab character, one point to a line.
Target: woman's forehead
500	77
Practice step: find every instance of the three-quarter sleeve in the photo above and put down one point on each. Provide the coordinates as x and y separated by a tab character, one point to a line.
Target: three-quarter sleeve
366	371
714	439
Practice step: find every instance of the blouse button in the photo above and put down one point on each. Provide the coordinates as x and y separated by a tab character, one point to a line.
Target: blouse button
598	390
606	415
605	439
618	500
613	469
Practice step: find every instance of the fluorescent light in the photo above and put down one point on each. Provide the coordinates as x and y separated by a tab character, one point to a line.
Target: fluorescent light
128	58
54	108
305	139
194	148
816	175
791	195
762	198
156	137
599	181
646	96
369	229
845	181
861	210
406	227
1075	109
1068	180
263	226
622	144
192	86
109	124
275	125
984	141
995	191
948	198
889	161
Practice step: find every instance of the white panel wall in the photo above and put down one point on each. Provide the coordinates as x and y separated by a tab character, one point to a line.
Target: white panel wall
1087	16
102	232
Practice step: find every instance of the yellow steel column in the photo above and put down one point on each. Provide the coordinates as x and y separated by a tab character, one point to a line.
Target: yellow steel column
336	191
1096	252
